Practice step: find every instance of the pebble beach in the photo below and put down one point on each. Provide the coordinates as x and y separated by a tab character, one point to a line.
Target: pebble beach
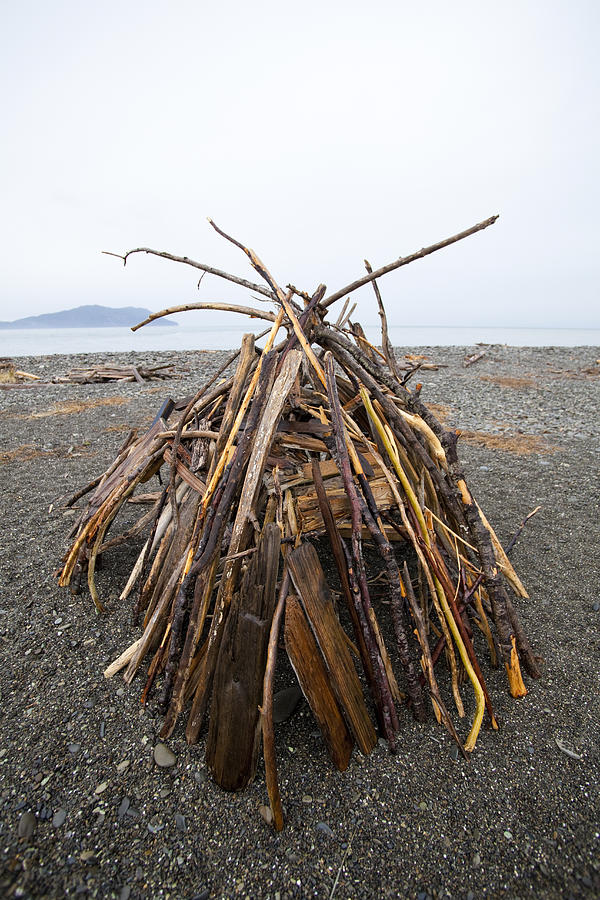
88	805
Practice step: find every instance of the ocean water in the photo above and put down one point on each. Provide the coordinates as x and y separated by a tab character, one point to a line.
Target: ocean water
45	341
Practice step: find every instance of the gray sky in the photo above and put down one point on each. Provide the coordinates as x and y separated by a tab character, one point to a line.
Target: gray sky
318	133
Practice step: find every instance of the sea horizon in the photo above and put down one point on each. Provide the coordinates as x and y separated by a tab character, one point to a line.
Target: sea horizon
49	341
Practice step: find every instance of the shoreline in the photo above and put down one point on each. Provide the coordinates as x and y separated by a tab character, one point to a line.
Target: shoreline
418	824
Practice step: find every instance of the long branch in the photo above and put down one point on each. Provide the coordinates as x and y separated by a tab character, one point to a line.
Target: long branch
196	265
405	260
223	307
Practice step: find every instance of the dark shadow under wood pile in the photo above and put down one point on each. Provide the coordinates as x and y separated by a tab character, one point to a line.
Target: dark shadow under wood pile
314	442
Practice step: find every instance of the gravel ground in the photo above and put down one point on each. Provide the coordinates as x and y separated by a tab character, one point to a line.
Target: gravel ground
85	810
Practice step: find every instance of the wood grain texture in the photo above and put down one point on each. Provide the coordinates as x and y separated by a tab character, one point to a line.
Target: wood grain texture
309	581
306	659
234	731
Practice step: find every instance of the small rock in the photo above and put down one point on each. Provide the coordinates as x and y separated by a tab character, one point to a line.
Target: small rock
476	860
422	805
164	757
285	702
324	829
59	818
123	807
125	892
266	813
199	777
307	798
596	606
27	825
74	748
101	787
180	822
87	856
508	835
122	766
454	753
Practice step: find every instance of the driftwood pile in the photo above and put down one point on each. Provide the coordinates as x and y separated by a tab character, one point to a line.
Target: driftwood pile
105	374
314	448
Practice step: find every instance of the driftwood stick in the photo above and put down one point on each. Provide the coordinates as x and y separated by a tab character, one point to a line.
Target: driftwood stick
266	710
388	350
223	307
359	512
517	533
196	265
405	260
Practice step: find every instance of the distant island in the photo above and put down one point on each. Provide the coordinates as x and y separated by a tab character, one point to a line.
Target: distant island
88	317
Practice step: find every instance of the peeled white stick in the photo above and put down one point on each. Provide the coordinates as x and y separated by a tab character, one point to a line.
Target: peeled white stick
122	660
163	522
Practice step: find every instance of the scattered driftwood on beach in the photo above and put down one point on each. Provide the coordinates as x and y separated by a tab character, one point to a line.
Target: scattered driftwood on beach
11	376
475	357
104	373
279	477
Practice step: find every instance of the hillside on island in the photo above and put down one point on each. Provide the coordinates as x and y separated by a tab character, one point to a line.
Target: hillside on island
92	316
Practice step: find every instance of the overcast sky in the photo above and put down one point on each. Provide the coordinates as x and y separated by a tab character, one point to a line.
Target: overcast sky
318	133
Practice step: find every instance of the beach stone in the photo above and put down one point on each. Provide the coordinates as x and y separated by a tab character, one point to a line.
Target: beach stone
266	813
324	829
285	702
307	799
122	766
180	822
596	606
123	807
59	818
476	860
74	748
125	892
101	787
164	757
27	825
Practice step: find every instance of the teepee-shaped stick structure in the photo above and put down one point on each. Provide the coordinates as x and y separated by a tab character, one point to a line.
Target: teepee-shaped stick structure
315	446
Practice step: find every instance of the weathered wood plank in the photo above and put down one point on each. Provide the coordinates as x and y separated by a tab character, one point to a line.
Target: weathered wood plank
309	581
234	733
306	659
